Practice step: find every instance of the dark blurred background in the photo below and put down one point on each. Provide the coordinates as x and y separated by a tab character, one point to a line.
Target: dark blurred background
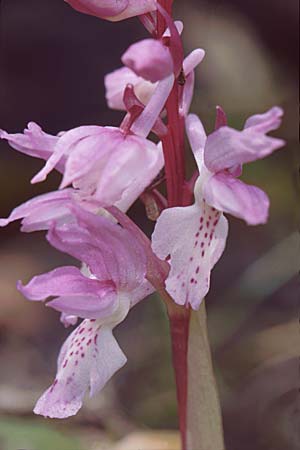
53	61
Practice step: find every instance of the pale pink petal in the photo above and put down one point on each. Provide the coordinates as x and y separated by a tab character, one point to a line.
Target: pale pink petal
39	212
63	148
144	123
88	359
228	194
227	147
33	142
88	155
87	306
122	252
65	281
191	61
263	123
197	138
79	244
149	59
110	251
194	238
128	171
187	95
147	173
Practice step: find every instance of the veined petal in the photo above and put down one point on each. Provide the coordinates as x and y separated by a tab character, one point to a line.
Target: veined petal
88	155
149	59
39	212
65	281
33	142
77	242
228	194
197	138
135	163
269	121
63	148
88	359
122	252
194	237
227	147
87	306
144	123
143	179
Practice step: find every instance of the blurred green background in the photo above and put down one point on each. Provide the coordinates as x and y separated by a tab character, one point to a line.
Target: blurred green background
53	61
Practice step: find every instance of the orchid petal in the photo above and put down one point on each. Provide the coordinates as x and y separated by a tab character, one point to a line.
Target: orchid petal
88	155
144	123
124	256
197	138
87	306
65	281
191	61
33	142
63	148
88	359
187	95
74	241
39	212
227	147
136	164
228	194
263	123
149	59
194	237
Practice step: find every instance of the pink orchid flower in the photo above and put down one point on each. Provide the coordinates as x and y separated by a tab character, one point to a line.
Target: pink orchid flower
110	164
113	10
194	237
112	281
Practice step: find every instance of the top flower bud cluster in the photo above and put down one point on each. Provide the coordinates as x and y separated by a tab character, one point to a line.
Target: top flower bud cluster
105	170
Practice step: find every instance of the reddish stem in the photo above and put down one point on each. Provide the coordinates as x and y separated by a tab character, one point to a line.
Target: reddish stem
179	316
179	326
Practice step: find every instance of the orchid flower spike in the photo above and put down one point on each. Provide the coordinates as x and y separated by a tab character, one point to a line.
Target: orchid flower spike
112	281
113	10
194	237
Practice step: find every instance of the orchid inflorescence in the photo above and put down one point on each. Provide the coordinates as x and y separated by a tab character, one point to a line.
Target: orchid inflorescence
105	170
